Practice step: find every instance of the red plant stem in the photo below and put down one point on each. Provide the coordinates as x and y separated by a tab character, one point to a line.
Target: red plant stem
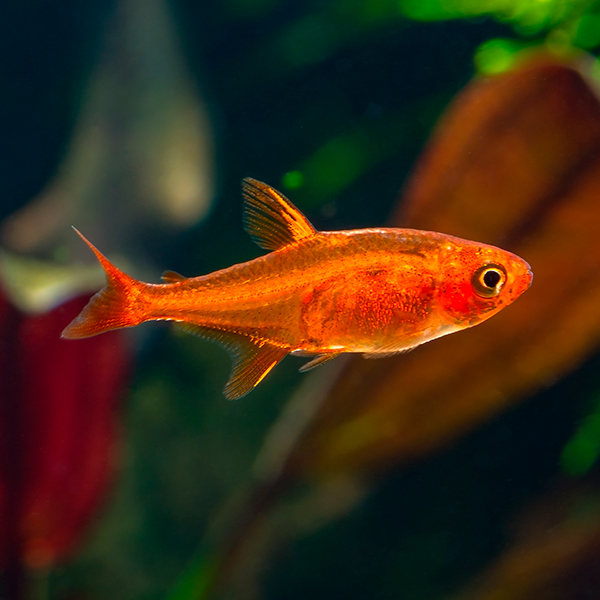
12	447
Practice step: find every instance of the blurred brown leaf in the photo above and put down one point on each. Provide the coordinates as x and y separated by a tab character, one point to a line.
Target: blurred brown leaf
555	556
514	162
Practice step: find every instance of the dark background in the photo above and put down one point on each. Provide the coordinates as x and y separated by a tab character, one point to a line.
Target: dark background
426	529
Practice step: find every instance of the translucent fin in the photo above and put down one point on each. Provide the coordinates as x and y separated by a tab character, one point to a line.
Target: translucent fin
270	219
112	307
390	353
317	362
252	359
172	277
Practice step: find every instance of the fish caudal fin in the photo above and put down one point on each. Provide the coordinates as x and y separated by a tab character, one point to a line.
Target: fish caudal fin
112	307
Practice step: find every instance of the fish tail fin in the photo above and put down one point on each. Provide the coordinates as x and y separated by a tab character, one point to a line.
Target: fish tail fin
113	307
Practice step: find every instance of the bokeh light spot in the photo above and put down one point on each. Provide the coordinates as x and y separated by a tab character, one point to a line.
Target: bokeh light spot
587	34
495	56
334	165
581	452
308	41
293	180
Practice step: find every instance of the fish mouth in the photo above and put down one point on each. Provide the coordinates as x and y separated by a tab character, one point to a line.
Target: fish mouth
529	276
523	277
524	282
523	268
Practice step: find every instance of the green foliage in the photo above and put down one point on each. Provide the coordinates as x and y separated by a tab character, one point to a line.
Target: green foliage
496	56
581	452
530	15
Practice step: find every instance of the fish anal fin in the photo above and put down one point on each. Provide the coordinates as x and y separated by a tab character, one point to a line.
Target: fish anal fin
252	358
251	363
318	361
172	277
270	219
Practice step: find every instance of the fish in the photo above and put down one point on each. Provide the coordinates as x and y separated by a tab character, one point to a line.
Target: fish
320	294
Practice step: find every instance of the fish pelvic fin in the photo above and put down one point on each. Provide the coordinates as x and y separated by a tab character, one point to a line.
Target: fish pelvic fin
112	307
318	361
252	358
270	219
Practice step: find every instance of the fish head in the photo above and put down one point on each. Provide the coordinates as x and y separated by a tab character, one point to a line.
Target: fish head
477	281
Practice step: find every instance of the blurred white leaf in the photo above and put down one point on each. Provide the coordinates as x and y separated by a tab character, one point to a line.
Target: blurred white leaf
140	161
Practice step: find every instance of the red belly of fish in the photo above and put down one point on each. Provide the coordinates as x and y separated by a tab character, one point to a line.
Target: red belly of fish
368	312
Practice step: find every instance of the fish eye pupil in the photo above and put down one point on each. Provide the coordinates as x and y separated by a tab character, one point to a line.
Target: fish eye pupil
491	278
488	280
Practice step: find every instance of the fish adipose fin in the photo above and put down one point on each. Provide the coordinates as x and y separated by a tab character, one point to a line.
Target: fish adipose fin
112	307
270	219
252	359
317	362
172	277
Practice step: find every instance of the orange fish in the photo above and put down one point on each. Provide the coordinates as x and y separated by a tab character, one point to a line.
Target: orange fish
373	291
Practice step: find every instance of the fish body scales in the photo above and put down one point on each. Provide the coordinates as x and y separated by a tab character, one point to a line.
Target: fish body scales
360	290
374	291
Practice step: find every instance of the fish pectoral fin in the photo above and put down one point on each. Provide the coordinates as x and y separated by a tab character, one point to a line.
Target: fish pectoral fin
252	358
172	277
317	362
270	219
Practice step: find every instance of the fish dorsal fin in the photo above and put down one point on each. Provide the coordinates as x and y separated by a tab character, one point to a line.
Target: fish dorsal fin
172	277
252	358
270	219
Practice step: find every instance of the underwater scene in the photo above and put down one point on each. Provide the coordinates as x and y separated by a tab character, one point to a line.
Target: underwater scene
300	187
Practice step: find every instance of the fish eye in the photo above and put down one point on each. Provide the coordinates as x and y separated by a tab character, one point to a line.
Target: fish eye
488	280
